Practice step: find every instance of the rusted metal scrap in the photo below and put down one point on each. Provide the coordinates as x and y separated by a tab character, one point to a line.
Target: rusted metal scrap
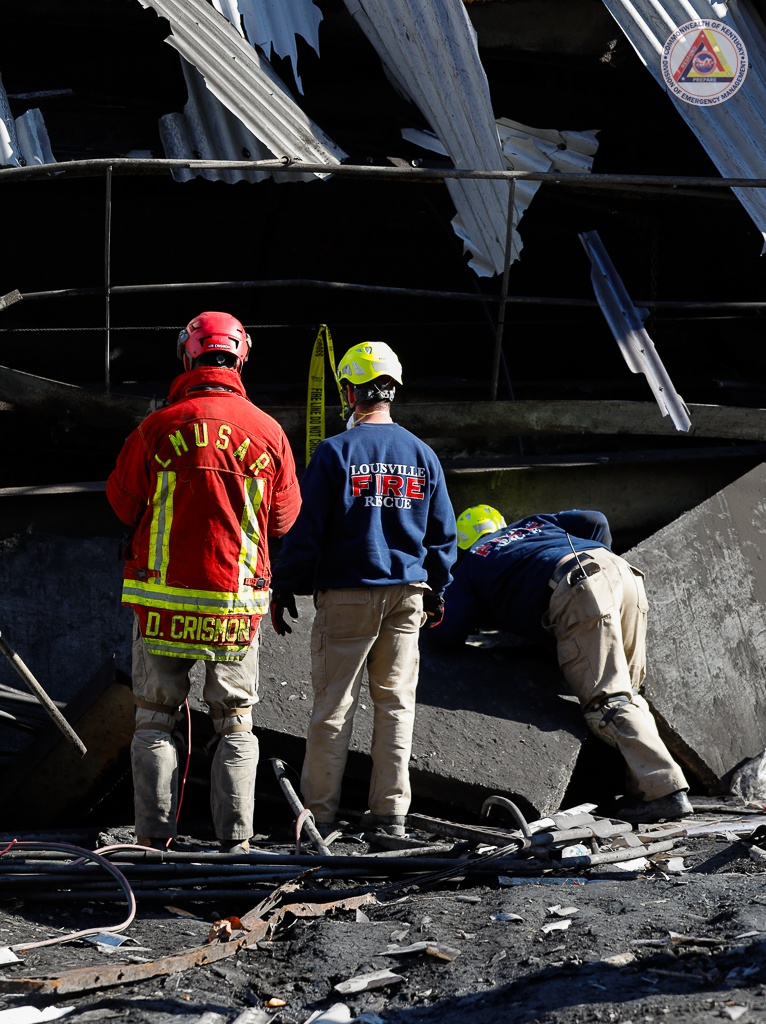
255	927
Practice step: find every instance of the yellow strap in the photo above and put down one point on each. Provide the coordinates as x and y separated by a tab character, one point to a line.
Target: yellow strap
344	409
315	399
315	411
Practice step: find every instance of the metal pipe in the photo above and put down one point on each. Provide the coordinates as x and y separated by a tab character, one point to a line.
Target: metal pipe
43	697
161	166
499	330
108	276
375	289
305	819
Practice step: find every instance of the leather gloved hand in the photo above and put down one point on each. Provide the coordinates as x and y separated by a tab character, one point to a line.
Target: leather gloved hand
433	606
280	603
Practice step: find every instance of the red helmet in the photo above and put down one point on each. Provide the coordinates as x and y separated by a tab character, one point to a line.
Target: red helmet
213	332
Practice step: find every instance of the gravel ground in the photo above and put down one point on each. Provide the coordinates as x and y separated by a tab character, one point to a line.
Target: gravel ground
679	939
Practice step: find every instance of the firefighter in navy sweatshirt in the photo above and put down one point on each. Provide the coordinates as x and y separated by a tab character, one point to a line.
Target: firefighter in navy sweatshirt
374	542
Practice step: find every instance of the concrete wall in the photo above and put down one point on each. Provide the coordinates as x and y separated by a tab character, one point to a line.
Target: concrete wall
706	582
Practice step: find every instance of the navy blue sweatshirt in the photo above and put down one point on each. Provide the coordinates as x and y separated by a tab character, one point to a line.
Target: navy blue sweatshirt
375	512
501	582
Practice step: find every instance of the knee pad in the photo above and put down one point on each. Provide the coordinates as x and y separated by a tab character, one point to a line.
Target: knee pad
232	720
599	713
164	721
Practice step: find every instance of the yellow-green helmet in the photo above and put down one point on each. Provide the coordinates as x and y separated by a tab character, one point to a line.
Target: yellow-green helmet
475	522
368	361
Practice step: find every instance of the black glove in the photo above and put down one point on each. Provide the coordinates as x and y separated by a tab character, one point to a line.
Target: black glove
433	606
279	604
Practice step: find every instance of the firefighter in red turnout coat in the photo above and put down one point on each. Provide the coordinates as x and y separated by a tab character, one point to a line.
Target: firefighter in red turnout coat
203	482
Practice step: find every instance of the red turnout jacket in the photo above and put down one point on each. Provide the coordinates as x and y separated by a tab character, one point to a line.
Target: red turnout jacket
204	481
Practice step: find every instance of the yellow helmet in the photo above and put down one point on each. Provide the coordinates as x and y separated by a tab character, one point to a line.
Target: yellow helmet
475	522
368	361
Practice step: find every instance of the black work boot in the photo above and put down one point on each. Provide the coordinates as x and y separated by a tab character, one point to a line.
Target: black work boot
384	824
152	843
672	807
233	846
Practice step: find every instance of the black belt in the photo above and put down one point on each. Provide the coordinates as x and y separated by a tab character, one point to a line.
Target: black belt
566	567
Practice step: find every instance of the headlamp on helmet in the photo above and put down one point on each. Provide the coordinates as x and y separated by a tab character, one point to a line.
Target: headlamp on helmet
211	333
475	522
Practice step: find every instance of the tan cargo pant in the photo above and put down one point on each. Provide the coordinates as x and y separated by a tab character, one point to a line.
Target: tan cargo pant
160	686
376	628
600	629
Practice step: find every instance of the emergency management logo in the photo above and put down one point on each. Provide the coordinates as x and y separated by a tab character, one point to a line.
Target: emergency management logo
704	62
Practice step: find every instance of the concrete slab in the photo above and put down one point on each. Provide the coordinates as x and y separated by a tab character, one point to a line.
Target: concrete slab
60	612
706	583
491	719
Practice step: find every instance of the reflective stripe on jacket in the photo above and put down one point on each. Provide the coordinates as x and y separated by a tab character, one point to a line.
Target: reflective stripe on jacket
204	480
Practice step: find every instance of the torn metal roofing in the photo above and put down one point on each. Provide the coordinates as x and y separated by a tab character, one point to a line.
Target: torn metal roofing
529	149
206	130
625	323
276	25
24	140
429	52
244	82
711	60
544	149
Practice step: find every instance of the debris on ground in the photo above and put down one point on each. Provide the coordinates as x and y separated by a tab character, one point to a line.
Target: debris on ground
452	922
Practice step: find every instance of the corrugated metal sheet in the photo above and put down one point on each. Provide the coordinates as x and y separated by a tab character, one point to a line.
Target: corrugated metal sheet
23	141
242	79
626	325
732	132
529	149
428	48
208	131
275	25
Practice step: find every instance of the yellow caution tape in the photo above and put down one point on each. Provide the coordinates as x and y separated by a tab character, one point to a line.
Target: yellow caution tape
315	411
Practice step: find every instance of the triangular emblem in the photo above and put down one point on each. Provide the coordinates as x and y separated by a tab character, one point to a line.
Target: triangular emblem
704	62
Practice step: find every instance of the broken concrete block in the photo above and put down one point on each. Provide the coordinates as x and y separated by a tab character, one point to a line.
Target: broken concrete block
749	782
490	719
706	647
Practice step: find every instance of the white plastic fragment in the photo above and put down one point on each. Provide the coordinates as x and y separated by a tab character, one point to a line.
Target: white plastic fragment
558	911
436	949
253	1015
637	864
619	959
7	956
502	915
31	1014
364	982
672	865
557	926
734	1012
109	940
338	1013
577	850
